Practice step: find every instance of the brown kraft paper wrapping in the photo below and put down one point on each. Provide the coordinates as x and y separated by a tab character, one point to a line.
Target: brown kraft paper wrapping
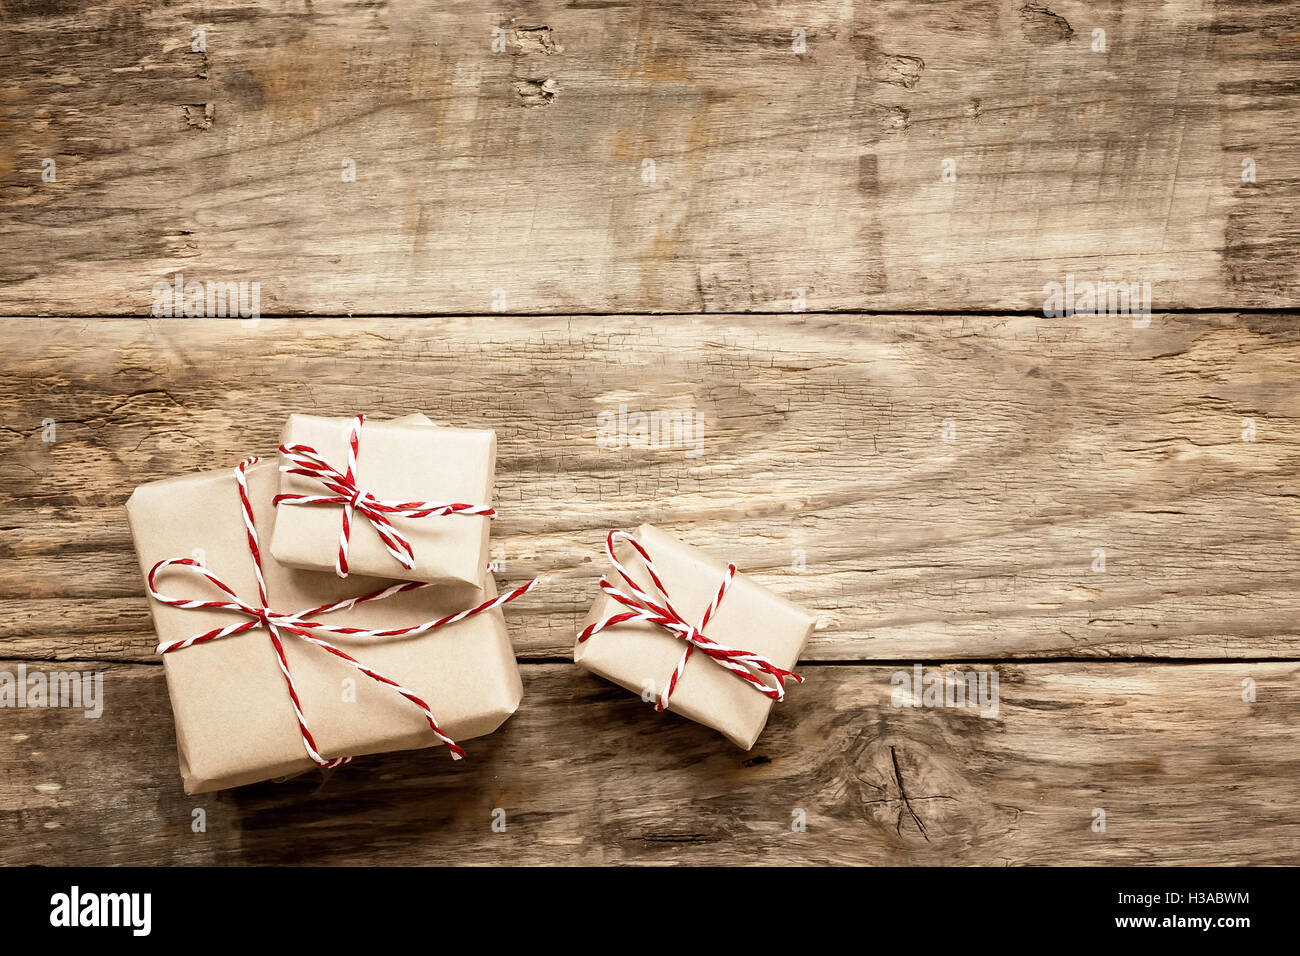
234	721
407	459
750	618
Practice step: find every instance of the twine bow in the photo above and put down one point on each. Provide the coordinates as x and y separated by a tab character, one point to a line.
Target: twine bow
303	624
306	461
748	666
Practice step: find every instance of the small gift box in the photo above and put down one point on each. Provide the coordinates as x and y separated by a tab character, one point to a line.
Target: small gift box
400	499
691	634
272	669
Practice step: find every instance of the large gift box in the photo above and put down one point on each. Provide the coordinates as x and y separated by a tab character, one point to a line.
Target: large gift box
425	488
236	722
637	641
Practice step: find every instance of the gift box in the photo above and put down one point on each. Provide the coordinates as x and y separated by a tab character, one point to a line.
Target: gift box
236	722
417	496
634	634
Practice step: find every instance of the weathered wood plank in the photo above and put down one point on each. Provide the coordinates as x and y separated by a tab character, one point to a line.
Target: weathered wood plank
823	468
521	172
1185	771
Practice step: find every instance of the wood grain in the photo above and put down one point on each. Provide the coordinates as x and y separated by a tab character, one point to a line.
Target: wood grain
1184	770
822	467
521	172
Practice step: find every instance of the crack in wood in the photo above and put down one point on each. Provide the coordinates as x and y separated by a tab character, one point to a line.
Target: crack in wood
902	792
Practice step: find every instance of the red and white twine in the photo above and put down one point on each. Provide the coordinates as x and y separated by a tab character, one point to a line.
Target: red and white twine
750	667
303	625
309	463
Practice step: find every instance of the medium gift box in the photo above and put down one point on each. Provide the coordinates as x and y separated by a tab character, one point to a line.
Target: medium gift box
402	499
676	626
272	670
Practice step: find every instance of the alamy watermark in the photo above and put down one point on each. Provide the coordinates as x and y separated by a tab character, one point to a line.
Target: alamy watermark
953	689
74	689
76	908
665	429
179	298
1098	298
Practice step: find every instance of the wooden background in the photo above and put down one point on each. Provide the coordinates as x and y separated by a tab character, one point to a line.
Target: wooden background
824	468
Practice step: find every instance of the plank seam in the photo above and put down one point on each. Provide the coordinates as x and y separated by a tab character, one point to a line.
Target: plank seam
943	313
864	662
